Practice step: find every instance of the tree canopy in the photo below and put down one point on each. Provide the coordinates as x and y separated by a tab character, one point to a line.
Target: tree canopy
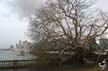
73	21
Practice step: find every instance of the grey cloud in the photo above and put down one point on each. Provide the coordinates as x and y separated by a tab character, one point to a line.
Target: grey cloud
26	7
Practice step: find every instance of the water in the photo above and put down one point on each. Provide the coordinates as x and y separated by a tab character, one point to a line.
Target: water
10	55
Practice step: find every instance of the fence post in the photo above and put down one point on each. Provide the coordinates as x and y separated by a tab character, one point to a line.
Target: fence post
15	63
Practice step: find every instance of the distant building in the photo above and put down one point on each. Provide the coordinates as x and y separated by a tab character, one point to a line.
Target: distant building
27	46
24	46
11	47
103	43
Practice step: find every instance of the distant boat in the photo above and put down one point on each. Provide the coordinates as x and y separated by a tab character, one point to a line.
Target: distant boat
21	53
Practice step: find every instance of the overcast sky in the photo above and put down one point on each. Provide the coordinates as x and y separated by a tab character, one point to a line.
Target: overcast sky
13	22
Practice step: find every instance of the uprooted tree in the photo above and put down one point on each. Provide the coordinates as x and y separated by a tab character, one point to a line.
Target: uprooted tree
76	22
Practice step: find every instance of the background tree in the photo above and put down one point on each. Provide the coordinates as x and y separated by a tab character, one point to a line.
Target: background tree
73	21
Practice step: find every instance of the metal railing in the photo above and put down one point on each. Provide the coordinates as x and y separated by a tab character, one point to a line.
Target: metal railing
10	65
